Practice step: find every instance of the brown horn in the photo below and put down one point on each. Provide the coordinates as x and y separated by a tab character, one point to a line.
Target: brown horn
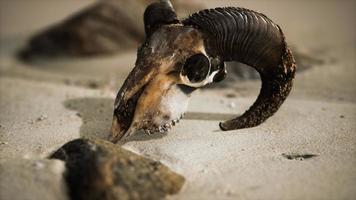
158	14
238	34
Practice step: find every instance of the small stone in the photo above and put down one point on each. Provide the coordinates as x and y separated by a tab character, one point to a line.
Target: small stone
41	118
229	192
39	165
342	116
232	105
4	143
110	172
230	95
67	82
78	114
295	156
93	85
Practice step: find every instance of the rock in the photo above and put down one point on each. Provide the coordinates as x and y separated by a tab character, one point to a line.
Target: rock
4	143
97	169
32	179
99	29
232	105
41	118
296	156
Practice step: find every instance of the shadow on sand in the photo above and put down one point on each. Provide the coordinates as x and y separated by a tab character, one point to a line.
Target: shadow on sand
96	114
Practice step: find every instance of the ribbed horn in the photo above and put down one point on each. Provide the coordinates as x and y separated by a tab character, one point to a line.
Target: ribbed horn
157	14
238	34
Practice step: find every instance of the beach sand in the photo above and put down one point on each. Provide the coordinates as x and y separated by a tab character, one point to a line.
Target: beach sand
307	150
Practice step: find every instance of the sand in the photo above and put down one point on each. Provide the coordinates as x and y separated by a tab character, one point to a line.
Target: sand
49	103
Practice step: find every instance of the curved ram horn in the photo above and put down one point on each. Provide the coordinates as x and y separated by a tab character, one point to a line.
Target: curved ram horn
237	34
157	14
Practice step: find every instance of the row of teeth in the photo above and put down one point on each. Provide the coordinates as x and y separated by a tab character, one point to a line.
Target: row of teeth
164	128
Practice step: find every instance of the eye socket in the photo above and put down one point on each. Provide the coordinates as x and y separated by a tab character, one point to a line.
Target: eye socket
196	68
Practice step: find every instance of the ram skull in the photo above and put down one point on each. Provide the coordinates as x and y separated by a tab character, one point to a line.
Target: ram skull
179	57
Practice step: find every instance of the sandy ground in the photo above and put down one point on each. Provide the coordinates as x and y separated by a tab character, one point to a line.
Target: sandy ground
46	104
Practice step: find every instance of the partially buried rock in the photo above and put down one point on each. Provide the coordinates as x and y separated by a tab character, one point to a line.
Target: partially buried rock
103	28
97	169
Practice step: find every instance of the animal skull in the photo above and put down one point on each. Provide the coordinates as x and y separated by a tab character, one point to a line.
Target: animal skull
179	57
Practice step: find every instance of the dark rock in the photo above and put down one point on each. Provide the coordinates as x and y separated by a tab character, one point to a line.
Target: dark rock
100	29
97	169
294	156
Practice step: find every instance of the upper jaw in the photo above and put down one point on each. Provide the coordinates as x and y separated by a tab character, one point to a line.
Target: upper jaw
157	109
165	127
118	133
123	116
147	109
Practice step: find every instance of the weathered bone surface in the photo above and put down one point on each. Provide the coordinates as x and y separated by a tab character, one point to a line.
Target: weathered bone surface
167	67
156	93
